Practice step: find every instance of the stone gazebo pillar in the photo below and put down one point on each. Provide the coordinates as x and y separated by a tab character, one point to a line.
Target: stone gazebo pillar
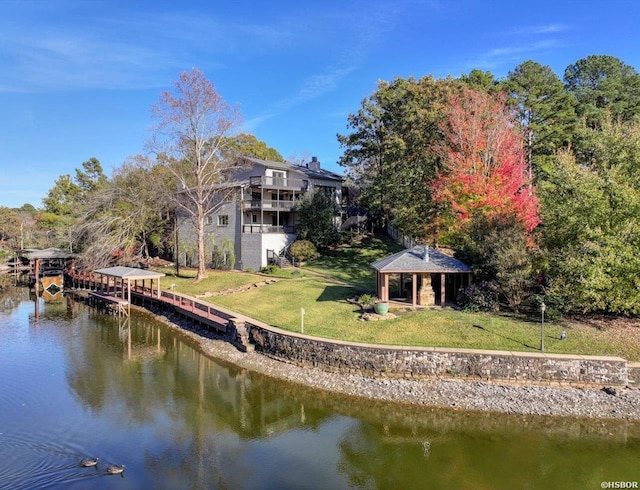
426	295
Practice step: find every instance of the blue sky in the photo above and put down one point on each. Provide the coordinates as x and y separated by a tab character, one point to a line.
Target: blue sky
78	78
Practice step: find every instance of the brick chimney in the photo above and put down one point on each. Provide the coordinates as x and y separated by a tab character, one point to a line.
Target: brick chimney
314	164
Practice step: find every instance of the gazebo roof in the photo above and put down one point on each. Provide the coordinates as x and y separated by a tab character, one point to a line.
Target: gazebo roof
129	273
420	258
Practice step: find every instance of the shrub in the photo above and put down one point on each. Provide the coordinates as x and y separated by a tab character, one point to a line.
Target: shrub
479	297
366	300
270	269
553	306
223	256
302	250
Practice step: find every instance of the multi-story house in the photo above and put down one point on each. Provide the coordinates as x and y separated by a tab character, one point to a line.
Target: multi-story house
260	219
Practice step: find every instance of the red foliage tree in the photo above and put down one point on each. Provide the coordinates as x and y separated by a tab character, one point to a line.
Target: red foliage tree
484	171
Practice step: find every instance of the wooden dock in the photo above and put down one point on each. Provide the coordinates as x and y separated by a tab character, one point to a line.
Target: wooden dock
108	293
107	296
109	303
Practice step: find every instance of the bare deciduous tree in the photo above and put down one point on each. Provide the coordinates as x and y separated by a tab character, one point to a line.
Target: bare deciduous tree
193	122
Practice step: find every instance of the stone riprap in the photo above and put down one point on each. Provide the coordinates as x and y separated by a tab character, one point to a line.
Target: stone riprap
622	403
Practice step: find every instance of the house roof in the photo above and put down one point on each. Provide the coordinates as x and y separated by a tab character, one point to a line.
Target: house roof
129	273
268	163
320	173
420	258
314	174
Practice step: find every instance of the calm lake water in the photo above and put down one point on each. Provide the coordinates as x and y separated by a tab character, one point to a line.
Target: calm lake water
74	384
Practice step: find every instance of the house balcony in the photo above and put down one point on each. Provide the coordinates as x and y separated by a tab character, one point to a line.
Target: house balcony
257	228
270	204
300	185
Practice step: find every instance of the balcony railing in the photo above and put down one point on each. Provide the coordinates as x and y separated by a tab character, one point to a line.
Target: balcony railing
267	229
279	183
270	204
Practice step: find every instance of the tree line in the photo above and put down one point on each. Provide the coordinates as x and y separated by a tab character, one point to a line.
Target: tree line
531	179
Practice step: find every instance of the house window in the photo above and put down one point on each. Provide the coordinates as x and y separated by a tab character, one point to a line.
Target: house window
223	220
278	178
208	220
328	191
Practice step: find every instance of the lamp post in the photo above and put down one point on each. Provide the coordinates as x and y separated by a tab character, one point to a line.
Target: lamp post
177	245
542	308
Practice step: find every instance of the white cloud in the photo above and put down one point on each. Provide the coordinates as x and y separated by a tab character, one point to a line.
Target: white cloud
363	30
506	56
552	28
317	85
251	124
120	52
526	48
527	41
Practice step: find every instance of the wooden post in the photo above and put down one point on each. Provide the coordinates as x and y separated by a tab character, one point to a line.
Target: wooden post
36	274
442	289
414	287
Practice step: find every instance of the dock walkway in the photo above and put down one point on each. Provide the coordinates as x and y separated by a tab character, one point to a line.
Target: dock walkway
205	313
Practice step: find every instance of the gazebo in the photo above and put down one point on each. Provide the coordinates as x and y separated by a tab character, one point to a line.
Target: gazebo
422	276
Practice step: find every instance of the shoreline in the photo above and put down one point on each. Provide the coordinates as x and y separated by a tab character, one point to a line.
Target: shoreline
445	393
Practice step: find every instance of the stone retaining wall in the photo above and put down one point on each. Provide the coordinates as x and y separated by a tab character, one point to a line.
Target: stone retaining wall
392	361
634	374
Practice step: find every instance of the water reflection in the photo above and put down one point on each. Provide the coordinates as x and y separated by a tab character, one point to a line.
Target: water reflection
138	393
11	297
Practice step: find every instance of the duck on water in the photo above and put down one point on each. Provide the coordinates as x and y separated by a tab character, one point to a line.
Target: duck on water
115	469
90	462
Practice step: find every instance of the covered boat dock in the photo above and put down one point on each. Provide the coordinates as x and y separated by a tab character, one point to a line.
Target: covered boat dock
112	280
46	268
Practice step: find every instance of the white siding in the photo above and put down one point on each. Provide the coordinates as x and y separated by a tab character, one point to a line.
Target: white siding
275	242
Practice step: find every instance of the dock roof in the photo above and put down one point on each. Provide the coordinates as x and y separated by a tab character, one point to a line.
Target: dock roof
129	273
47	253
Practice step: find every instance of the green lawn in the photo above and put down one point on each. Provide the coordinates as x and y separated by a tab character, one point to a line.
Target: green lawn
352	263
344	273
329	315
216	281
